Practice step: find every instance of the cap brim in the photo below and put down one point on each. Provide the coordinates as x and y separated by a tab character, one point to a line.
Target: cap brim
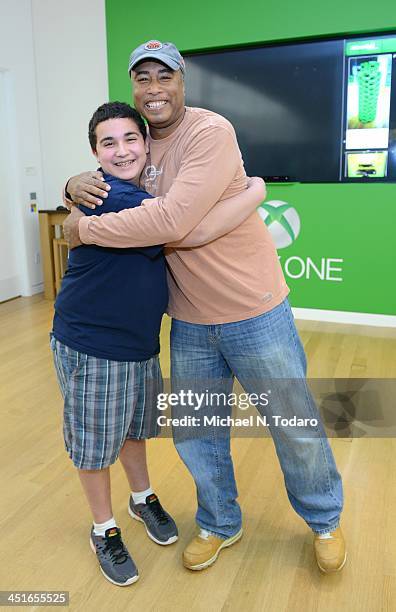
158	57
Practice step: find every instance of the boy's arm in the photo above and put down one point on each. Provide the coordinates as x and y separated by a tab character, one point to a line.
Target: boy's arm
225	216
195	190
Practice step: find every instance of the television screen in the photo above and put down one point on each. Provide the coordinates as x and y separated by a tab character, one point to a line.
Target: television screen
320	111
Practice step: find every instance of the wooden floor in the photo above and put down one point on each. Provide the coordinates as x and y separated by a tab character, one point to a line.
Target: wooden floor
45	523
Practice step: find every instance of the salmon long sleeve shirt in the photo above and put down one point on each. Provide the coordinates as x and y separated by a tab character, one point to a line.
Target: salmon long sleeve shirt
236	276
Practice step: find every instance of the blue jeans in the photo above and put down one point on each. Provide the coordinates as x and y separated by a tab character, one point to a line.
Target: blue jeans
255	351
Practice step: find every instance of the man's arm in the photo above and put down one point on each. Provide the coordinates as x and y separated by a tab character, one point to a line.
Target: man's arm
87	188
195	190
225	216
220	220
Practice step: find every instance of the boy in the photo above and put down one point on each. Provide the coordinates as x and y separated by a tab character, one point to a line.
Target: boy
105	344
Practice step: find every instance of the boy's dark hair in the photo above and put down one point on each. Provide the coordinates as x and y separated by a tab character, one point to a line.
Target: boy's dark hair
114	110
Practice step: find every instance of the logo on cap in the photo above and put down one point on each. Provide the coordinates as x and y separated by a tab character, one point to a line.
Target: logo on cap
153	45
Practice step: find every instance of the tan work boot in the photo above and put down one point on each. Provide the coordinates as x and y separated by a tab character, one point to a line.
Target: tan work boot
204	549
330	551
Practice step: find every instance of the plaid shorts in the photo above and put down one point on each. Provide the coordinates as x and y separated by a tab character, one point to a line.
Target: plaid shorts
105	403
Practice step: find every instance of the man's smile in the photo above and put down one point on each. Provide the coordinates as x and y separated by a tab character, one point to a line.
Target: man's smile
155	104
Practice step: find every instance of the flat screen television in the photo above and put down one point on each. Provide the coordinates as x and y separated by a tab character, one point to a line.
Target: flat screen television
312	111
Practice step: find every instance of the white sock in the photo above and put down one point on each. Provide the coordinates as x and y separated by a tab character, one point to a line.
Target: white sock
139	497
325	536
101	528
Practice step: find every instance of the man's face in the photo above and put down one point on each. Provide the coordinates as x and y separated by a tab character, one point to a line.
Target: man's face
158	93
120	148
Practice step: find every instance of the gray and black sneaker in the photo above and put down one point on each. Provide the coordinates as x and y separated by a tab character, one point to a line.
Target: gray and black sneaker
115	562
160	526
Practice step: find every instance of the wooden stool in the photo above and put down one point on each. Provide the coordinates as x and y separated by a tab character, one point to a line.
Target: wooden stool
61	252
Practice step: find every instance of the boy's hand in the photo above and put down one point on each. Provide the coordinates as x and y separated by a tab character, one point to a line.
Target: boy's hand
70	228
86	187
258	182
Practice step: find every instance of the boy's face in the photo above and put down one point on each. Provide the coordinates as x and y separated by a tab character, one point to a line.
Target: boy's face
120	148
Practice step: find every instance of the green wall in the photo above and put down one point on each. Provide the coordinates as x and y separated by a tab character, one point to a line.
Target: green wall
210	23
355	223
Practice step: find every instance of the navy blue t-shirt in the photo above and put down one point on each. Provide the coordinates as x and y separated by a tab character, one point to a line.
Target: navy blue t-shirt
112	300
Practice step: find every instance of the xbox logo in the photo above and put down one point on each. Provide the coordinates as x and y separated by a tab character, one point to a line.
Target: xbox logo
282	221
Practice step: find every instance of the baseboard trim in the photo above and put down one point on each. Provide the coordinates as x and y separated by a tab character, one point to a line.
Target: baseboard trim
337	316
34	289
9	288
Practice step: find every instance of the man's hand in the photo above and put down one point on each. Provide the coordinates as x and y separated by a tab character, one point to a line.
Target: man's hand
70	228
86	187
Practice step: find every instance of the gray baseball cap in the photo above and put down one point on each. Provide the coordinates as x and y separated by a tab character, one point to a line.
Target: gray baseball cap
166	53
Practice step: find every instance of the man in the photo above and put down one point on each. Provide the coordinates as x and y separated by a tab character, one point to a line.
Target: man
228	301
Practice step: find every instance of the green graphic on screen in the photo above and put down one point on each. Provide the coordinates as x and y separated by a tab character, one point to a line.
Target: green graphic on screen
369	78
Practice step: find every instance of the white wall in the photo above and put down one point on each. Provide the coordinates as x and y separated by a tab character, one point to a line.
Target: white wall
9	268
17	62
53	58
71	71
